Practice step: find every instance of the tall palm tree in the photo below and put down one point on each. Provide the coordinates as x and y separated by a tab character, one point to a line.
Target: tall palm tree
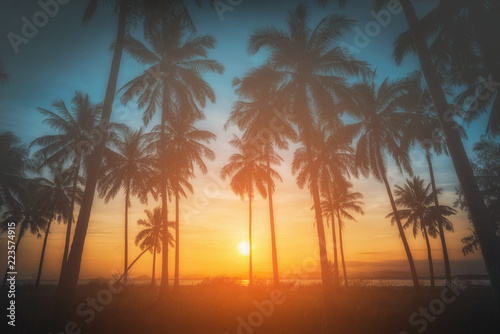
311	71
13	158
420	213
180	62
339	203
256	114
481	219
379	131
129	167
58	192
186	149
30	211
129	12
151	236
73	142
248	171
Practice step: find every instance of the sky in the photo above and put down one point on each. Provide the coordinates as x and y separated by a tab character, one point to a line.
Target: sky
65	56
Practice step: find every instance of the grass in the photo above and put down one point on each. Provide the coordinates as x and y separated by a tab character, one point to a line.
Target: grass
215	305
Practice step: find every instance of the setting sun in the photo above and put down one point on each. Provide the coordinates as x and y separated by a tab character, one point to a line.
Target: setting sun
244	248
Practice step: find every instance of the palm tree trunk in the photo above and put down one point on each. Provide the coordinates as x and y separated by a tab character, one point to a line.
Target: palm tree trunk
133	262
438	215
39	274
429	255
176	275
481	218
127	199
274	252
15	252
71	271
250	281
402	234
71	208
153	278
336	278
342	249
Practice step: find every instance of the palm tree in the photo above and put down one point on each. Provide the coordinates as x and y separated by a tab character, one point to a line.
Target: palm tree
186	150
420	213
311	71
334	161
179	61
129	167
129	11
481	219
30	211
58	192
379	130
72	143
248	170
255	114
151	236
13	157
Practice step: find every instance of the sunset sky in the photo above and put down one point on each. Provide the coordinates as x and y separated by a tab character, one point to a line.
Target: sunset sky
66	56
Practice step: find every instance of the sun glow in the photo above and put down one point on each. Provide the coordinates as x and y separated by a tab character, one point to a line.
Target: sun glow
244	248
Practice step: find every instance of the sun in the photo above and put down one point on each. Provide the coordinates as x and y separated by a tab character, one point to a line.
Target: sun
244	248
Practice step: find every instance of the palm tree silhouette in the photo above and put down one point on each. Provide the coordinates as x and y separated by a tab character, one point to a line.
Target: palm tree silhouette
179	61
256	113
72	142
248	170
186	150
334	161
58	191
129	167
151	236
13	158
420	212
30	211
311	72
379	130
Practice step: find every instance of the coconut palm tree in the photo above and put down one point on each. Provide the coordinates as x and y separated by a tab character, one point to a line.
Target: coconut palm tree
58	192
129	167
481	219
248	171
258	114
186	150
73	142
179	62
379	131
151	236
30	211
420	213
312	72
129	12
13	158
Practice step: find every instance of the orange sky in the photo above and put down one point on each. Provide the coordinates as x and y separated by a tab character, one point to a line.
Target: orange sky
214	221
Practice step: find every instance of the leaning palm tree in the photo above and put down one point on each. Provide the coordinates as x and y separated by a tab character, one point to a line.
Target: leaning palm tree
186	149
312	71
248	170
481	219
129	167
256	113
30	211
179	62
379	131
72	142
151	236
13	163
420	213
